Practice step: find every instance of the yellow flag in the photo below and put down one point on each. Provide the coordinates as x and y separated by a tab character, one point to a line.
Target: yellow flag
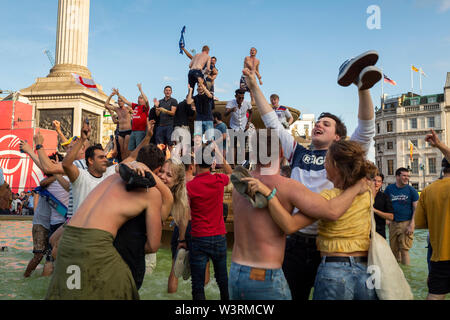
415	69
411	149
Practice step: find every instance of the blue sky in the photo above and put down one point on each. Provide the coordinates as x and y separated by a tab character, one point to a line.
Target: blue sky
301	45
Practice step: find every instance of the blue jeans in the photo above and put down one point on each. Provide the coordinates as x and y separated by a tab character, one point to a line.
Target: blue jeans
342	281
135	139
203	249
244	285
164	134
205	125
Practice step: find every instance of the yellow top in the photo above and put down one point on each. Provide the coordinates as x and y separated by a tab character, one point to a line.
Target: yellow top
351	232
433	212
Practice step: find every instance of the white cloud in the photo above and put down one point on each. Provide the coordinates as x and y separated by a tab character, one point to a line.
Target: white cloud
444	6
167	78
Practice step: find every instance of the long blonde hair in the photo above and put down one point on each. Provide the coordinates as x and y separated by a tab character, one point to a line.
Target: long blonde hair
180	209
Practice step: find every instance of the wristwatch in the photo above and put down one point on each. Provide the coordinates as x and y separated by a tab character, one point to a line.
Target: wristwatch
181	241
39	146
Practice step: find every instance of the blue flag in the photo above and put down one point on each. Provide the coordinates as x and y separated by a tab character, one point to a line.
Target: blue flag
181	43
52	201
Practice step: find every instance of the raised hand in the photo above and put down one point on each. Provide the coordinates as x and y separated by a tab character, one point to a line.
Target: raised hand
250	78
38	138
432	139
25	147
57	125
156	102
85	131
139	85
150	127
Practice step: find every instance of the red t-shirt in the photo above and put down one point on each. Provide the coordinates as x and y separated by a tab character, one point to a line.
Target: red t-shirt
205	193
139	117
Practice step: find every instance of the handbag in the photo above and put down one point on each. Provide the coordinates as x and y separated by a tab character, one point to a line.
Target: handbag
387	277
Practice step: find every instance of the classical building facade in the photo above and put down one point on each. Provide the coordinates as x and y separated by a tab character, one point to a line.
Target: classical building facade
408	118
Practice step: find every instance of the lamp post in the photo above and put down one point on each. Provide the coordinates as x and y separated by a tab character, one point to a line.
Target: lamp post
422	167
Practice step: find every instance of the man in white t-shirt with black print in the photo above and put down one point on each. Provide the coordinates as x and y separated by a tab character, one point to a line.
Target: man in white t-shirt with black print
301	256
239	122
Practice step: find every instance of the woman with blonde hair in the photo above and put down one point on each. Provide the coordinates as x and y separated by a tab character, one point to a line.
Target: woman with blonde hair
343	242
173	175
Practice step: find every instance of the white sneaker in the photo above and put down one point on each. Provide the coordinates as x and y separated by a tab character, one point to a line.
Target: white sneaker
368	77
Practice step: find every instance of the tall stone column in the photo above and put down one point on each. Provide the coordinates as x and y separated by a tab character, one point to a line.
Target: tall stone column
72	37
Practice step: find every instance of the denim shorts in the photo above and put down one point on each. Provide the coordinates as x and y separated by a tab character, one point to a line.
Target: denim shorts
201	127
247	283
342	281
135	139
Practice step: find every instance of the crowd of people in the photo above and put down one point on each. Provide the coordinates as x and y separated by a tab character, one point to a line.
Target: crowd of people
297	227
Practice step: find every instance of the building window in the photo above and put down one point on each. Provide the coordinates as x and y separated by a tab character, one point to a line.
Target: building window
389	126
415	185
390	145
390	164
415	142
430	122
414	102
378	127
415	166
431	165
413	123
431	99
379	166
306	127
378	147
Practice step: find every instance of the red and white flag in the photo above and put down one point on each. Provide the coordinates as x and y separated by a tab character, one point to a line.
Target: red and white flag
85	82
386	79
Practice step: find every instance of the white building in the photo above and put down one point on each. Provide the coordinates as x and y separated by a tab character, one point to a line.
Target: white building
409	117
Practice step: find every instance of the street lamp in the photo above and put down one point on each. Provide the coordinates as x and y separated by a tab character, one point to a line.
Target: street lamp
422	167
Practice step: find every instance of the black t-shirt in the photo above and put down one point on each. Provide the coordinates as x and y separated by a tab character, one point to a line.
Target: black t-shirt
152	116
184	111
382	203
130	243
204	107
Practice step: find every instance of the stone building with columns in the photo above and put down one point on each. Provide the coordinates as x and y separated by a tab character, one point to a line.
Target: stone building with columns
409	117
58	96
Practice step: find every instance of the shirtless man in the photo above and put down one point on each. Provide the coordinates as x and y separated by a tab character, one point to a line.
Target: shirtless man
86	247
213	71
259	244
251	63
196	66
124	113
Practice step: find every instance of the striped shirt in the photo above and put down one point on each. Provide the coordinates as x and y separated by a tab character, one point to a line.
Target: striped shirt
80	164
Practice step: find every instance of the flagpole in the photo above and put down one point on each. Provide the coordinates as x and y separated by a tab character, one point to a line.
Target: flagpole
412	81
420	79
382	89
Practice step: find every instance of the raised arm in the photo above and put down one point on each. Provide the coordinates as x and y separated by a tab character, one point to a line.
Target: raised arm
57	126
63	182
47	165
107	106
226	167
143	95
70	169
133	155
434	141
44	183
187	53
208	94
116	91
189	99
25	147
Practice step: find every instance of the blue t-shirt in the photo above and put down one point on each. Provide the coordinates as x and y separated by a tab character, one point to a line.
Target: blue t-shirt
222	127
402	199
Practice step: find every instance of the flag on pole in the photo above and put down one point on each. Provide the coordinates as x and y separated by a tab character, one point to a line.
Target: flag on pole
181	43
423	73
414	69
85	82
386	79
411	149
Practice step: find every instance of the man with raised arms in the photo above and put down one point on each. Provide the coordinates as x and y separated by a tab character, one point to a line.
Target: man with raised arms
89	267
196	66
251	63
301	256
124	114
